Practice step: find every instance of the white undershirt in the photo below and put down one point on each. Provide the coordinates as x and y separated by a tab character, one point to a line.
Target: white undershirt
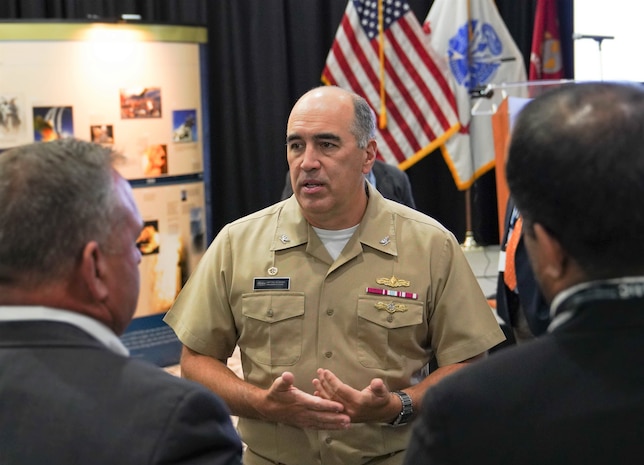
335	240
89	325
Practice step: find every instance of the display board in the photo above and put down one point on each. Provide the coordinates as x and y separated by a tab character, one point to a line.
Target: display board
137	88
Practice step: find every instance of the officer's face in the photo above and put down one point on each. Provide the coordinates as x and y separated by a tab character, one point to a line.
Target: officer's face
326	165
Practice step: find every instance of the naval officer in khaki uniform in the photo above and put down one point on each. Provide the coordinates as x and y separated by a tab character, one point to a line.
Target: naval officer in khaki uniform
337	298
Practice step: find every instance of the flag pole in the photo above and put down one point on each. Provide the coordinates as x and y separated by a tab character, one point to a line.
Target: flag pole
469	243
381	39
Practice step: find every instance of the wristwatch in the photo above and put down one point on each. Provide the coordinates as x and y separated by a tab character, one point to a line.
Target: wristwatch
407	409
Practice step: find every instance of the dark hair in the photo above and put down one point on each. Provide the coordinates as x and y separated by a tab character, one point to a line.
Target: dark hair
576	166
54	198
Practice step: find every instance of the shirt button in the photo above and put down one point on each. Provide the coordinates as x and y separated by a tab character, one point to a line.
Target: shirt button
328	354
330	311
390	318
270	312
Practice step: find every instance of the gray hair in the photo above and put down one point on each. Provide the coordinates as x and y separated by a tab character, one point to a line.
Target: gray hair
54	198
364	123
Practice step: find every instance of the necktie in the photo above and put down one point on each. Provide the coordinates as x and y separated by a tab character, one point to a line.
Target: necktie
510	273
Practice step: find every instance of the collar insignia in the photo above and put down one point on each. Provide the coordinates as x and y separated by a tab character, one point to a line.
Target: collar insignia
284	238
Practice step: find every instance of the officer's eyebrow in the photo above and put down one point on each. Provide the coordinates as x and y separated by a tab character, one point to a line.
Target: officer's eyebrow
293	137
326	136
316	137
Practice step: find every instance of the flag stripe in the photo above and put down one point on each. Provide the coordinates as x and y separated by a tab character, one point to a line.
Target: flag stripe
363	80
398	141
400	96
438	78
404	92
419	102
431	117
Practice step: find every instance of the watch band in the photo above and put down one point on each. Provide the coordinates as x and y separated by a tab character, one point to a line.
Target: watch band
407	410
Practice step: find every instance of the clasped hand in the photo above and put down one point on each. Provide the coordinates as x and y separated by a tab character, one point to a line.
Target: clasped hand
333	406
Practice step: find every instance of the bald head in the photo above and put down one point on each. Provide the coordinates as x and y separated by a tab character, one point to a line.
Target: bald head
363	126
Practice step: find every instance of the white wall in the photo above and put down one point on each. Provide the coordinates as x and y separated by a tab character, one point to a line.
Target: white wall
620	58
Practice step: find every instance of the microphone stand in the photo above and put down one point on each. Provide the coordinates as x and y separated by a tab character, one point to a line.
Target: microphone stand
469	243
599	39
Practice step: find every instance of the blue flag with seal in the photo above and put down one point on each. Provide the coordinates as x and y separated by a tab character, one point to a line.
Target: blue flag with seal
479	50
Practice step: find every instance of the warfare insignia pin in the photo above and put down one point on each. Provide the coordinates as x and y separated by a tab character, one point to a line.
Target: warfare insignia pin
391	307
393	282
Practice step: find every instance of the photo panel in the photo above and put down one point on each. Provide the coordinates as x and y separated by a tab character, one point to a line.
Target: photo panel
52	123
184	125
102	134
12	117
140	102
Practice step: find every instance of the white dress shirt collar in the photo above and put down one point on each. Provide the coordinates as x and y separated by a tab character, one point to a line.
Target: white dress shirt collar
93	327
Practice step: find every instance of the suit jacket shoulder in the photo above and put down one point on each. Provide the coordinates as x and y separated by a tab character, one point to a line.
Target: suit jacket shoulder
393	183
568	397
67	399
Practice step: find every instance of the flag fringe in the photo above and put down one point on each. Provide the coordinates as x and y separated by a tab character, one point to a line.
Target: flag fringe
463	185
436	143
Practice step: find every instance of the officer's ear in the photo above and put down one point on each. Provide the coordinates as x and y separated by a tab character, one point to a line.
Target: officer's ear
371	150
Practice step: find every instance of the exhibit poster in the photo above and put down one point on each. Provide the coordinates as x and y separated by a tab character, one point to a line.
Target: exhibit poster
136	88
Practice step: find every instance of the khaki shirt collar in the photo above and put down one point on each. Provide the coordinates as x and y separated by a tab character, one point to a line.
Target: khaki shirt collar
377	227
292	228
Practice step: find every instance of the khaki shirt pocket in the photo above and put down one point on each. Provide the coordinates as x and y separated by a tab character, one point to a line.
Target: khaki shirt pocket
384	324
273	326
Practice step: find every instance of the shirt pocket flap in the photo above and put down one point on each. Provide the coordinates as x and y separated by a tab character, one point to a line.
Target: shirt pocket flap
390	313
273	307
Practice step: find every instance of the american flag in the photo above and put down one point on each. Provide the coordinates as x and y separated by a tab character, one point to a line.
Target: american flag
407	86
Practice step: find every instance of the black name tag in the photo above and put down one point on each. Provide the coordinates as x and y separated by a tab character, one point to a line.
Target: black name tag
271	284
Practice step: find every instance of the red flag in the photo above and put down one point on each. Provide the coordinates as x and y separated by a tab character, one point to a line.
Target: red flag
545	57
381	53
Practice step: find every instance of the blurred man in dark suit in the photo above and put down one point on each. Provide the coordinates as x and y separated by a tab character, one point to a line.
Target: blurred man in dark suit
574	395
69	283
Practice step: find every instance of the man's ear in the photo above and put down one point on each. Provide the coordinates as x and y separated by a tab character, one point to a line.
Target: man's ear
372	150
554	259
93	271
